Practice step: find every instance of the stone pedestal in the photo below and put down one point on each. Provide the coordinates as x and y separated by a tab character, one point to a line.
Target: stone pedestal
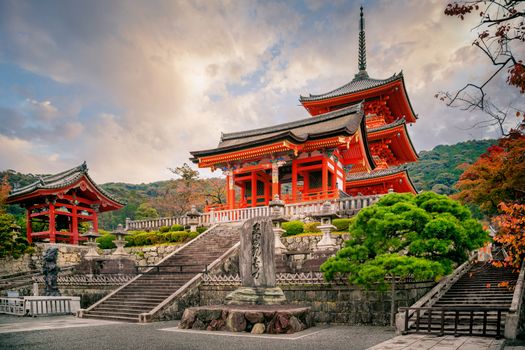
120	243
327	242
280	248
255	319
256	296
113	264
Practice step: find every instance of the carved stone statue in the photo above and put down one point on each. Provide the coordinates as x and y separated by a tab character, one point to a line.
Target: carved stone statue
257	265
50	270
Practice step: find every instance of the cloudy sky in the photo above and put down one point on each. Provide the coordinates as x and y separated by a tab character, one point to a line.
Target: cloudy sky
133	86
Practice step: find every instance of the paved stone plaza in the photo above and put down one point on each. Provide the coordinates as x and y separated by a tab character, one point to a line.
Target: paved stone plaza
68	332
53	333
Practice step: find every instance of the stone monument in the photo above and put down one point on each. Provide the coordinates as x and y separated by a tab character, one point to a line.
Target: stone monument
257	265
50	270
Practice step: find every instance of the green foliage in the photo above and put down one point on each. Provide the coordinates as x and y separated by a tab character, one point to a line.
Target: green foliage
164	229
106	241
11	243
142	238
438	170
311	227
177	227
146	211
201	229
430	227
293	228
341	224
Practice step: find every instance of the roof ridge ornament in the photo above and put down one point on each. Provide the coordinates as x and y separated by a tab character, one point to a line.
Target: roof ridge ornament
361	58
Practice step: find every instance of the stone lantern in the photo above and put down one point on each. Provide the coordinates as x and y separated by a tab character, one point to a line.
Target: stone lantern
325	216
120	242
91	243
277	217
193	218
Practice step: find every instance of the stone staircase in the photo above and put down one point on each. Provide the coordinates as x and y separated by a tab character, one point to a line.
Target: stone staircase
467	304
146	292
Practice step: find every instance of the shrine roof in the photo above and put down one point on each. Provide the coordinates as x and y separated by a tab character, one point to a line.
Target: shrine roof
60	180
377	173
359	83
344	121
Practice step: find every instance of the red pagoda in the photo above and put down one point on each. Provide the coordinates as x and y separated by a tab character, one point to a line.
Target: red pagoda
57	204
387	110
356	144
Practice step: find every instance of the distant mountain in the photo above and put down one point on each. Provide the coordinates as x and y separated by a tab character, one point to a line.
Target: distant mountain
438	170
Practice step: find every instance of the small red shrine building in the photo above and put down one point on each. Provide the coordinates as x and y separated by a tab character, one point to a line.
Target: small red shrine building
57	204
355	143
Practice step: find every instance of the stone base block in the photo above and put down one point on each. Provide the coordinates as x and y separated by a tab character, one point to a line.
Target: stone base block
257	319
256	296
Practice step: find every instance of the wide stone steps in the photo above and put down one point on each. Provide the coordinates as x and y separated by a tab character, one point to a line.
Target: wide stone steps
154	286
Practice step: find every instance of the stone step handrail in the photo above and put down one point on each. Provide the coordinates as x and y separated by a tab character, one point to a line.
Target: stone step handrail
343	206
430	298
516	311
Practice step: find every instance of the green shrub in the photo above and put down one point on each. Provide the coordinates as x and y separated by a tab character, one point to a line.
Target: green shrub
176	228
341	224
201	229
311	227
164	229
106	241
293	228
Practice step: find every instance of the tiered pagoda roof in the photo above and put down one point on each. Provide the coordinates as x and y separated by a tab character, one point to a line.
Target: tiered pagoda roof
358	84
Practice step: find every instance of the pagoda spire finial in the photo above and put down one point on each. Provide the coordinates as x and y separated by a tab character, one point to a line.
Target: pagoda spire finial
361	58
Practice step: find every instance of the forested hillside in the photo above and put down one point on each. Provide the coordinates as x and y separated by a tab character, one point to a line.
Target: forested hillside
439	169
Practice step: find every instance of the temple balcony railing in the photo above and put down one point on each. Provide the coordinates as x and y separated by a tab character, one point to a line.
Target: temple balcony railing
344	206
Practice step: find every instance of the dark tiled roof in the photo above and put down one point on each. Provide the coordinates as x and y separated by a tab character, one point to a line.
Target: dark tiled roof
63	179
376	173
343	121
359	83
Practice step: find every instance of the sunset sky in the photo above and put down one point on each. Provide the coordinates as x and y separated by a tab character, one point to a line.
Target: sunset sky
133	86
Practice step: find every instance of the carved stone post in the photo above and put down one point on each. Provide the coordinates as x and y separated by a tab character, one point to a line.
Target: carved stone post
120	242
326	227
277	216
91	243
257	265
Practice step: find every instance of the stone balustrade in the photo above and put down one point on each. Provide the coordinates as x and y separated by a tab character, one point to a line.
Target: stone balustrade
346	206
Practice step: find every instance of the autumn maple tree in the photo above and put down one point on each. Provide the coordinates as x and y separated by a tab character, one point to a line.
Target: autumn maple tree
511	225
500	37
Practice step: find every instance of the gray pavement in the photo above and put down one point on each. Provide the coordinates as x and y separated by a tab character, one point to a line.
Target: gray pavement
432	342
66	333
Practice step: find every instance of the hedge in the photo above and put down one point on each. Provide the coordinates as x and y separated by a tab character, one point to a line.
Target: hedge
293	228
311	227
106	241
141	238
176	228
341	224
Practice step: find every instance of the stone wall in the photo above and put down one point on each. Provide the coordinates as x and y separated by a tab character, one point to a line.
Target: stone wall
71	255
335	304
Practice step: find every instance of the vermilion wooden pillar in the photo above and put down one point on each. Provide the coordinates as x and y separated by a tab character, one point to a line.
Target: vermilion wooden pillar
52	225
29	228
275	180
294	180
74	224
325	178
254	189
230	192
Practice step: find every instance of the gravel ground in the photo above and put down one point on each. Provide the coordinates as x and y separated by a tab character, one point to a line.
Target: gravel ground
164	335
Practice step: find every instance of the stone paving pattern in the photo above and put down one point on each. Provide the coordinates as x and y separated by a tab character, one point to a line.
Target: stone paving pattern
432	342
